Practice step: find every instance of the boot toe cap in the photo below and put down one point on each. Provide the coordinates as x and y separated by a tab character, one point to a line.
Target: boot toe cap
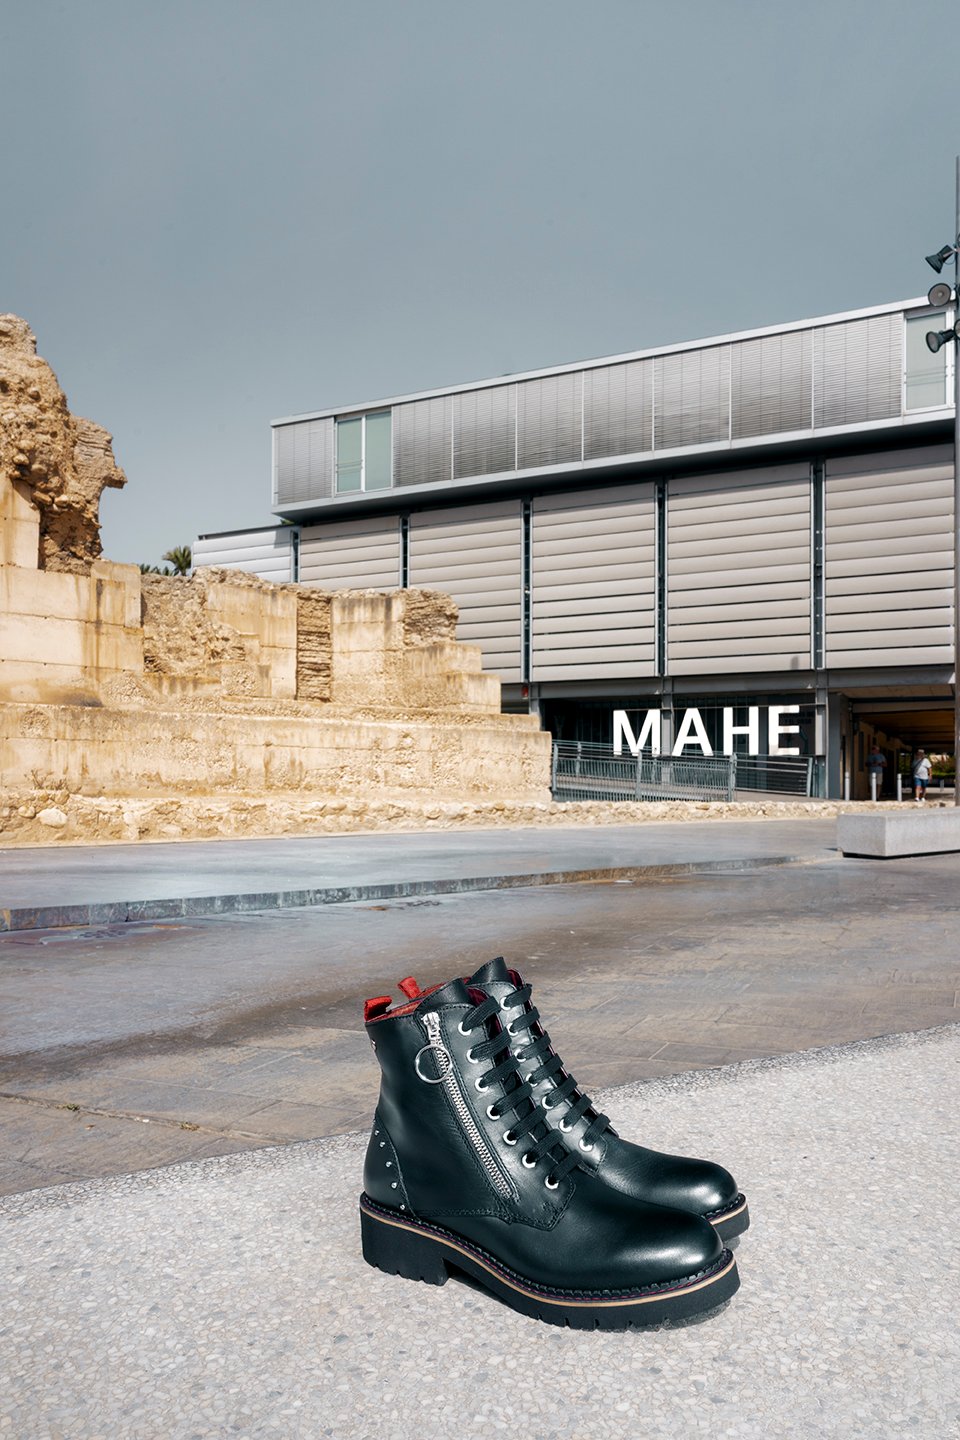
677	1181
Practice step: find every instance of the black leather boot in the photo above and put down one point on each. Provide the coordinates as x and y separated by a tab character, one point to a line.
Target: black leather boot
673	1180
461	1172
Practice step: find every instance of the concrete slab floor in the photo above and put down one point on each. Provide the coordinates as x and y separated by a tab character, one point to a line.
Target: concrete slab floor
132	1046
229	1296
64	875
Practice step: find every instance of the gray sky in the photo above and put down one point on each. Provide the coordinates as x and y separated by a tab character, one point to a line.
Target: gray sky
217	212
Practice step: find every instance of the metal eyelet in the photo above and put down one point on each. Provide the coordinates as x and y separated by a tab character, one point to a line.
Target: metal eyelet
586	1148
528	1079
461	1030
511	1031
509	1137
525	1160
565	1127
551	1184
471	1058
492	1113
545	1102
479	1085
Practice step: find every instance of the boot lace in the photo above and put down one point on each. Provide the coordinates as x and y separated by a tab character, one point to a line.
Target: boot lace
527	1126
541	1063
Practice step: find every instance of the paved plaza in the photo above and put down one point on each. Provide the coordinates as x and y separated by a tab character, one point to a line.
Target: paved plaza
228	1296
182	1105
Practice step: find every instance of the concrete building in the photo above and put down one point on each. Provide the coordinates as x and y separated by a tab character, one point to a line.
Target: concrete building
763	518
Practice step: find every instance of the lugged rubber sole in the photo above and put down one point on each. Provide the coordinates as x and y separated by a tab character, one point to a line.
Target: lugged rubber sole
732	1221
401	1245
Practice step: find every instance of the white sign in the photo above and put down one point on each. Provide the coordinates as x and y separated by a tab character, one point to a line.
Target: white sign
692	731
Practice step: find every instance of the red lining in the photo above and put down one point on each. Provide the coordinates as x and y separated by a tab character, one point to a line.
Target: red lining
374	1010
410	988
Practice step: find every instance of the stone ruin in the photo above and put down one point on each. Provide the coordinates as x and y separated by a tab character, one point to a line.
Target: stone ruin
135	705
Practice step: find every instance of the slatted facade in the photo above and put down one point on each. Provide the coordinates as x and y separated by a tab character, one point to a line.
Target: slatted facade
485	432
549	421
267	553
691	398
474	553
352	554
771	384
842	372
618	410
303	461
888	561
594	585
739	572
423	442
858	369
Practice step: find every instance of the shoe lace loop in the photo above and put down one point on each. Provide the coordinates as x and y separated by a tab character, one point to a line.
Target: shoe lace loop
541	1139
540	1062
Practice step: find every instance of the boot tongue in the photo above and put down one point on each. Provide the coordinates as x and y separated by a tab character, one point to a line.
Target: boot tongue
494	971
496	979
453	993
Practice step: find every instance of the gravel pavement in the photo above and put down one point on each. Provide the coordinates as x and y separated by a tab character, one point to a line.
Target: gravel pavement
227	1297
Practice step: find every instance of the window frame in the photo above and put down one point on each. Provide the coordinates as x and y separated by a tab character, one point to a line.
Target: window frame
933	320
363	417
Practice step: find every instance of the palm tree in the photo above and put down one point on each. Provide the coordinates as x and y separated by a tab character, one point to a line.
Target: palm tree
180	558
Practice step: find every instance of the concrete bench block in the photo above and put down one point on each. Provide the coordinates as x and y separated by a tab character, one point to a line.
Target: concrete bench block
914	832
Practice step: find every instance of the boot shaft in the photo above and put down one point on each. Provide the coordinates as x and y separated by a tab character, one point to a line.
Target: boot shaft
439	1145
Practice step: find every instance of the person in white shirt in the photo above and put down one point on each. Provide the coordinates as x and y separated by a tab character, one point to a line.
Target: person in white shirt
921	775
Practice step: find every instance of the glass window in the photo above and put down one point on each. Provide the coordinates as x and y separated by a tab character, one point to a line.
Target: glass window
364	453
926	372
377	457
349	455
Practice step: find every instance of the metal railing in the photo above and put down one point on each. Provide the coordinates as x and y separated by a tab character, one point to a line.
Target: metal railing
780	774
582	770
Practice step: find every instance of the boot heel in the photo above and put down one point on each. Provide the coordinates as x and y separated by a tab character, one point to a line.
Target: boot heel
398	1251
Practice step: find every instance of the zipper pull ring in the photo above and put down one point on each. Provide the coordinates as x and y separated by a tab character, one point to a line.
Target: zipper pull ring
444	1064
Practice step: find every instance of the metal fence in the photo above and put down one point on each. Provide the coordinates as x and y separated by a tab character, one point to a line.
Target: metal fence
585	771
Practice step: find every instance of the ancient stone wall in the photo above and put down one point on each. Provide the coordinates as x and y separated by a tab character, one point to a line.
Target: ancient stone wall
60	463
117	684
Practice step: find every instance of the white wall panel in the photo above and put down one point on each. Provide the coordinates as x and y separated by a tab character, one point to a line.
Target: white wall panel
352	554
593	578
267	553
474	554
888	558
739	571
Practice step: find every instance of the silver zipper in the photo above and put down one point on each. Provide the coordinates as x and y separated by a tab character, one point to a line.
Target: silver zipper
448	1079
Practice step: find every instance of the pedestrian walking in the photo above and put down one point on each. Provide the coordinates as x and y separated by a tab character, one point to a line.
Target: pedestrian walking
921	776
876	764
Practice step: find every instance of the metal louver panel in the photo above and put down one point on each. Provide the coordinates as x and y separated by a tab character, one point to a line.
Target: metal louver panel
692	397
352	554
617	410
304	461
888	558
770	384
739	572
857	370
485	431
474	554
593	581
422	442
267	553
549	420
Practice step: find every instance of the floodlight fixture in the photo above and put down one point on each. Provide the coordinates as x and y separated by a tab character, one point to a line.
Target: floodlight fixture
937	338
937	262
940	294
